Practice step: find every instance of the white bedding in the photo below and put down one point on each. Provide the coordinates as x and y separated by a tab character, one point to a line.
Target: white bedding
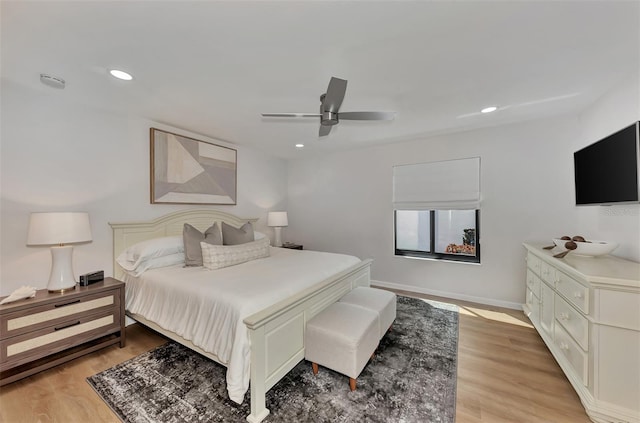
207	307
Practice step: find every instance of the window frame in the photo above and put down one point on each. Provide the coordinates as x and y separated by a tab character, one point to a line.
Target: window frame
433	255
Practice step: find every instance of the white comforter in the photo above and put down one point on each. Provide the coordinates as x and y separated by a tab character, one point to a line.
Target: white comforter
208	307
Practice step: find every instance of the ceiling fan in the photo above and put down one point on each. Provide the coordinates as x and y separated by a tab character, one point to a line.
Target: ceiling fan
330	104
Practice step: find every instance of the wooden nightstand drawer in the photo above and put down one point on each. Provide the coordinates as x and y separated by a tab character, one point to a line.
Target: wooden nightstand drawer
53	314
33	345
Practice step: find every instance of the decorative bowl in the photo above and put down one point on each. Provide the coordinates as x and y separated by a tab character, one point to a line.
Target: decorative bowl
592	248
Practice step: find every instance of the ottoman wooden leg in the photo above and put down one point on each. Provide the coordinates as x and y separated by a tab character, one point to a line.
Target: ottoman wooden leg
314	366
352	384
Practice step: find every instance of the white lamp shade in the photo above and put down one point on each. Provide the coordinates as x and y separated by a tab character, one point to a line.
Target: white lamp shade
277	219
58	228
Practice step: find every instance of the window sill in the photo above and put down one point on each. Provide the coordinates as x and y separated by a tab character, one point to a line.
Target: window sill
447	260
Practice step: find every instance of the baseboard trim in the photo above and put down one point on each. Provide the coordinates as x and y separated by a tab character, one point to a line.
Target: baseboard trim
452	295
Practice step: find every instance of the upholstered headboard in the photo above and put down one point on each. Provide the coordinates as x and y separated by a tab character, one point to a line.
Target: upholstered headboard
126	234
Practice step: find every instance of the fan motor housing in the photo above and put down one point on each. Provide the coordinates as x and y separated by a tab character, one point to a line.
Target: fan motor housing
329	118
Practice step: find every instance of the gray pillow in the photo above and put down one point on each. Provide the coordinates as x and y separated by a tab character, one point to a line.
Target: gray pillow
237	236
192	239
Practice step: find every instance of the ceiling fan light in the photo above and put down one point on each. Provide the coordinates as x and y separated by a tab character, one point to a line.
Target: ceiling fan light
489	109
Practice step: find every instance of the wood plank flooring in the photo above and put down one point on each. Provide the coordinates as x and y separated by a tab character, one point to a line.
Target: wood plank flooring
505	374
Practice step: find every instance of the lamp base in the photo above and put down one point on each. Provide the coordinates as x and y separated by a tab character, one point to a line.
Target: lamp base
61	278
278	231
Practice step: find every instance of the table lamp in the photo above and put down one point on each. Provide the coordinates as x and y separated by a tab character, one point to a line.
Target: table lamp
58	229
277	220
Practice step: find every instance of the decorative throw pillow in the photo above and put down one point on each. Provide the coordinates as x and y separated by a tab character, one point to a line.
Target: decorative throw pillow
236	236
193	237
219	256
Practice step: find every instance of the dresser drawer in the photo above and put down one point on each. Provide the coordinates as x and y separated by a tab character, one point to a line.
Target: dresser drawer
43	342
533	283
547	273
533	263
573	291
577	358
575	323
533	303
55	313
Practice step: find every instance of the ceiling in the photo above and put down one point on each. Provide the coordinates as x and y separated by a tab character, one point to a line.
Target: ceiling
212	67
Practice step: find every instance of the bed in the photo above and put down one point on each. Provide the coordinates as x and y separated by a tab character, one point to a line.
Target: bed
274	325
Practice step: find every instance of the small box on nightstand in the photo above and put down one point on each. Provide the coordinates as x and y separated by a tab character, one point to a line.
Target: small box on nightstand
292	246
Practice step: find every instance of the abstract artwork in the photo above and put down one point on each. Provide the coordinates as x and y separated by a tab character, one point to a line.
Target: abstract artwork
188	171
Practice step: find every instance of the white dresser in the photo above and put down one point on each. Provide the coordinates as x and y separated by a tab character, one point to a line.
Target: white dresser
587	311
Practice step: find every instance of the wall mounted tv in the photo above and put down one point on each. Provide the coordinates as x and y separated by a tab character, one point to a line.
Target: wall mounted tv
606	172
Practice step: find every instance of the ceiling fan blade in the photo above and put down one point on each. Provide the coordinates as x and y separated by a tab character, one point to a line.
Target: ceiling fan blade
294	115
324	130
335	94
366	115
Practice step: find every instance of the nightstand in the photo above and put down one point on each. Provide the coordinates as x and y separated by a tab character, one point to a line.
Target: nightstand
52	328
292	246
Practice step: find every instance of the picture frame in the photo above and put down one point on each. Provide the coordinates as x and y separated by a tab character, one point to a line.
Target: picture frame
185	170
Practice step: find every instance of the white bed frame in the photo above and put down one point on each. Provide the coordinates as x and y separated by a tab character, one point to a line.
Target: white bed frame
277	332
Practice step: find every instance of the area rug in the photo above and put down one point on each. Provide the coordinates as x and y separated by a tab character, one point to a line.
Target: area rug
412	378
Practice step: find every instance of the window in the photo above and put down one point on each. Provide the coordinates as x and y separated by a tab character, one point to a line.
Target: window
437	210
439	234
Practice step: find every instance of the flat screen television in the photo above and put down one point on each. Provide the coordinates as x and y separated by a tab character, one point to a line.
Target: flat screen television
606	172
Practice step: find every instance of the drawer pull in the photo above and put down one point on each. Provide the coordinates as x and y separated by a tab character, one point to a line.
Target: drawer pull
577	294
564	316
66	304
67	326
564	346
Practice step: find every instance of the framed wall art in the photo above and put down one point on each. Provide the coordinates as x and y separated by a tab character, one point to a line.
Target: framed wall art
188	171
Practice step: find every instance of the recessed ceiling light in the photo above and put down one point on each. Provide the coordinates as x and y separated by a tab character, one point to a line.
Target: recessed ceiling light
299	145
489	109
120	75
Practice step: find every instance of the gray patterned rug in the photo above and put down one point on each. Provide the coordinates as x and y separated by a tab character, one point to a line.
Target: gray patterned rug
412	378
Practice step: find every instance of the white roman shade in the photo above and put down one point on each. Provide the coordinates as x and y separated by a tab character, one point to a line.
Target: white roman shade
444	185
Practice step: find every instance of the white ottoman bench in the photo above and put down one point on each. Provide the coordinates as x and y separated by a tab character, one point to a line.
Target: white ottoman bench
342	337
378	300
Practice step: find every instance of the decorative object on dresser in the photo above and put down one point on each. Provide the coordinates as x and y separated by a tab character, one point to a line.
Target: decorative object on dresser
278	220
50	329
590	248
587	311
58	229
188	171
412	378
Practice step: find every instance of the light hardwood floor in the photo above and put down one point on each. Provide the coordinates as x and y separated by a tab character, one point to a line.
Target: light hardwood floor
505	374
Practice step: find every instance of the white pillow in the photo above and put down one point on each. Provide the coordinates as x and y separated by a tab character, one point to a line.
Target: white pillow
133	257
164	261
258	235
219	256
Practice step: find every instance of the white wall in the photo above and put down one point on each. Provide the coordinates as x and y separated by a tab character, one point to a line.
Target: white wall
342	202
59	156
